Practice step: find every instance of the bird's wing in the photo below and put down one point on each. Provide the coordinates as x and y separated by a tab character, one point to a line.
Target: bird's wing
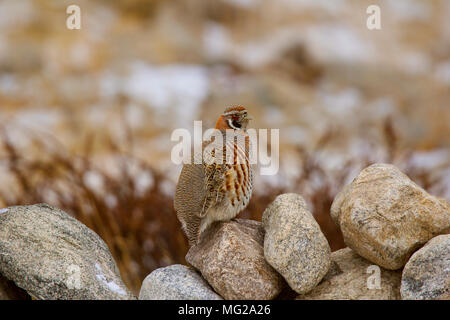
189	199
190	193
214	174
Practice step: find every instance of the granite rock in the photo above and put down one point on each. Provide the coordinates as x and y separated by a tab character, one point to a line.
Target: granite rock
294	245
352	277
385	217
230	257
427	273
176	282
51	255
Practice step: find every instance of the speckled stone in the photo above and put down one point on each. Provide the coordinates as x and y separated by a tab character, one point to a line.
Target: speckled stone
294	244
230	257
176	282
348	280
385	217
426	275
51	255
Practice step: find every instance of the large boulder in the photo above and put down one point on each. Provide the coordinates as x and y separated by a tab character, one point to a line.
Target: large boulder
427	273
294	245
51	255
385	217
230	257
176	282
352	277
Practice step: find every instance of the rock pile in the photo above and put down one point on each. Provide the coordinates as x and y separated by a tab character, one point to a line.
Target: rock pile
396	233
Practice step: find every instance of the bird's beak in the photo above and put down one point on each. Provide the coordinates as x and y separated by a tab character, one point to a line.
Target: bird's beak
248	117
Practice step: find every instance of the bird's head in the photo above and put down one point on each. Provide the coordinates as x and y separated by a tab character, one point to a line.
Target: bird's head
235	118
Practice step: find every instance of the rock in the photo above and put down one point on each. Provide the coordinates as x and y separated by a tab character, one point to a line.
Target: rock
54	256
385	217
427	273
348	279
9	291
176	282
230	257
294	244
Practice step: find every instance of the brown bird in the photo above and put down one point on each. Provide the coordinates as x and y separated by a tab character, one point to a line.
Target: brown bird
214	191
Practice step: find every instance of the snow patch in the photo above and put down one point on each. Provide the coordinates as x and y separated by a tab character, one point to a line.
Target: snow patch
343	102
442	187
430	159
177	87
110	284
338	43
93	180
260	52
216	41
9	85
143	182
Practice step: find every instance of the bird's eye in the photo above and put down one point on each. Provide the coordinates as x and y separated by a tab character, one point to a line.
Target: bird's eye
236	124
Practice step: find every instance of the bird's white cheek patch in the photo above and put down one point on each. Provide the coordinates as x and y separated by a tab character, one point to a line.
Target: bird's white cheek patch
5	210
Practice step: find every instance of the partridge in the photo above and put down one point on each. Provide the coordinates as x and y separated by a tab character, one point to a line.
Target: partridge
212	191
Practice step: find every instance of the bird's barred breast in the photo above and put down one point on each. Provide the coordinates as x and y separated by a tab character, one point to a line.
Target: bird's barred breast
238	182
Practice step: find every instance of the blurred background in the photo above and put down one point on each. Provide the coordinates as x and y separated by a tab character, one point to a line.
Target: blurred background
86	115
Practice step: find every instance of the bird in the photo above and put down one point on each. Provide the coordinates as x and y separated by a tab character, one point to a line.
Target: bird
211	191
